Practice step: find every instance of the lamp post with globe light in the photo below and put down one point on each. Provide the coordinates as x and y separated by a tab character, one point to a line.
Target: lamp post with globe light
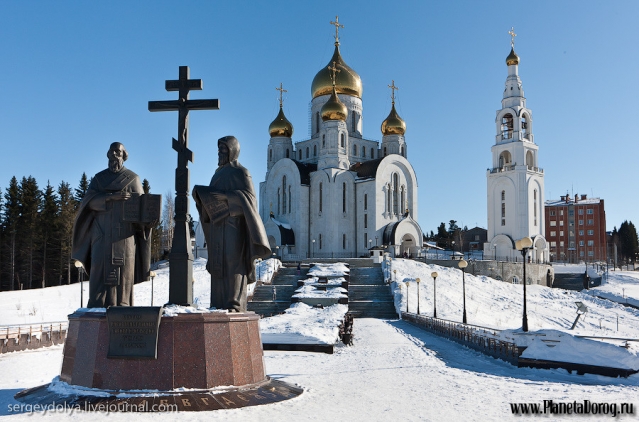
80	268
434	275
418	280
462	265
523	245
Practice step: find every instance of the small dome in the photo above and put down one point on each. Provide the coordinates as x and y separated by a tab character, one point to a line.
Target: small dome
393	125
347	80
513	58
333	109
280	126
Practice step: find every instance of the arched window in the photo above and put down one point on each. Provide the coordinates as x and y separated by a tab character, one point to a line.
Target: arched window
300	154
289	199
364	152
320	197
270	155
388	198
530	160
503	195
355	150
314	150
535	205
384	151
365	201
287	153
504	159
344	197
503	208
365	221
284	195
524	126
395	193
507	126
372	153
402	151
344	241
320	241
342	140
306	152
317	122
278	201
403	199
323	141
353	121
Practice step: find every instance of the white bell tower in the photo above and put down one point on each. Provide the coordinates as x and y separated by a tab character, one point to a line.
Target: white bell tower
515	180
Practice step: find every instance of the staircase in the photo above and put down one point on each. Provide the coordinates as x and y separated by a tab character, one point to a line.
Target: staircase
284	285
368	296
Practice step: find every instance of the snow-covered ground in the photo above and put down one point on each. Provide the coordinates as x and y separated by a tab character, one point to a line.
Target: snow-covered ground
394	371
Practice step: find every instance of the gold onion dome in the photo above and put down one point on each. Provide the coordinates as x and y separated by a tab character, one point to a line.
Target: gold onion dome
393	125
347	81
281	126
513	58
333	109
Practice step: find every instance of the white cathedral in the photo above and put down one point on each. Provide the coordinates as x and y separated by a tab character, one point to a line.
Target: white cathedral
338	194
515	181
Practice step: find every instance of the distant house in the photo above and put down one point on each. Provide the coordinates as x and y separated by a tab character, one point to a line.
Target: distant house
474	239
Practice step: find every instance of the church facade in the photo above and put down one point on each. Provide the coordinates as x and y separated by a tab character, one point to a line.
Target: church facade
515	193
338	194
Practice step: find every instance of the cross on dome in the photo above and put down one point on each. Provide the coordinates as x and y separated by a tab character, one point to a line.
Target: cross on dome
334	71
512	36
337	27
281	90
393	88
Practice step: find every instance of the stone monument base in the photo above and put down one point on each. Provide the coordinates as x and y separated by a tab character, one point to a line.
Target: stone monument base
217	356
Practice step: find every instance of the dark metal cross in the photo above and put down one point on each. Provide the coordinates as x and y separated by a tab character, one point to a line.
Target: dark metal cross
181	256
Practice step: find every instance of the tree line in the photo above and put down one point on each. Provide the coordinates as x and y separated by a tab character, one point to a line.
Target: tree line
627	243
36	227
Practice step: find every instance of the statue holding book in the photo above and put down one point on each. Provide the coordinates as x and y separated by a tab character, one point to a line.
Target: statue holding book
112	232
234	233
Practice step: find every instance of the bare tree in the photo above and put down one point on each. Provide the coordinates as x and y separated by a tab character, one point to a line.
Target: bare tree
168	221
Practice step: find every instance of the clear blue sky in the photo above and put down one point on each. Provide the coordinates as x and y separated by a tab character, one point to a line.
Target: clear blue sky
77	76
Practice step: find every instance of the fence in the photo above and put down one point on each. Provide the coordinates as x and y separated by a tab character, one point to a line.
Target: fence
26	337
474	337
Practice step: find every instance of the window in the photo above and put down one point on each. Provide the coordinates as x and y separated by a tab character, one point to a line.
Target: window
403	200
591	232
571	233
503	210
553	223
365	221
314	150
372	153
355	150
384	151
552	213
289	199
561	244
571	223
581	243
365	240
591	253
402	151
320	197
306	152
580	211
553	244
553	234
300	154
344	198
581	222
572	244
344	241
270	155
287	153
561	223
581	253
364	152
284	195
591	243
317	122
342	140
571	212
353	122
561	233
320	241
503	195
365	201
507	126
561	212
581	232
395	193
591	222
278	201
323	141
590	211
535	205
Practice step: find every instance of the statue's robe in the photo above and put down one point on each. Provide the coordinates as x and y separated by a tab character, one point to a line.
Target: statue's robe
234	233
115	253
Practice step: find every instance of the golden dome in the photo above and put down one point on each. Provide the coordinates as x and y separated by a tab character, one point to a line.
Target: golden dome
280	126
333	109
512	58
393	125
347	81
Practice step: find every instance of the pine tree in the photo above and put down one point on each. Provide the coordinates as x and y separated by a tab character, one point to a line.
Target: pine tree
10	219
628	241
66	218
27	229
48	227
82	188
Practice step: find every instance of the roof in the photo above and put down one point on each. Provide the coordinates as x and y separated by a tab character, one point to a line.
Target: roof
366	169
560	202
286	232
305	170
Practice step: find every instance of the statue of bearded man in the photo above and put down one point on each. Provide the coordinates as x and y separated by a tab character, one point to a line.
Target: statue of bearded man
235	235
115	253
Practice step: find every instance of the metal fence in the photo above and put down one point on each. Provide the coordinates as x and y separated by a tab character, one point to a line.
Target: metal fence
32	336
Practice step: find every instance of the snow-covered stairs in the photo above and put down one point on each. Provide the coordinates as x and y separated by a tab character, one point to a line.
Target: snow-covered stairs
368	296
284	284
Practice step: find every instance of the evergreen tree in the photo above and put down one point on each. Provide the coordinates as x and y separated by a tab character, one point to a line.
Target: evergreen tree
66	218
10	219
82	188
442	235
30	197
628	242
48	228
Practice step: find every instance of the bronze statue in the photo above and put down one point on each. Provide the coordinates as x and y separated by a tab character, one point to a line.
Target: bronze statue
113	245
235	235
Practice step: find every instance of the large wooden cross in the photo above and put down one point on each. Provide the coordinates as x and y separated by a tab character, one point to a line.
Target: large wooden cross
181	256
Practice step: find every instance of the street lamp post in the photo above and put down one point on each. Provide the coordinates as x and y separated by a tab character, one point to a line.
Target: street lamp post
375	240
523	245
453	248
462	265
313	256
406	296
152	275
370	243
259	269
418	280
80	267
394	275
495	252
434	275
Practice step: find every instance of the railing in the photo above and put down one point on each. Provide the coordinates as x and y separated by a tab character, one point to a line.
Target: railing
32	336
535	169
475	337
502	169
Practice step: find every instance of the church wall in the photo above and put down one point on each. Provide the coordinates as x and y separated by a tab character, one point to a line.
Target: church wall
373	214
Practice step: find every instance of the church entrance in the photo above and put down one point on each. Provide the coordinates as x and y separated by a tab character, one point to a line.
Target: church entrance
408	246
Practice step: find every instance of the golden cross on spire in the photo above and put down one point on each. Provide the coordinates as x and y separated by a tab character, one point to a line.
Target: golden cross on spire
512	36
334	71
337	27
281	90
393	88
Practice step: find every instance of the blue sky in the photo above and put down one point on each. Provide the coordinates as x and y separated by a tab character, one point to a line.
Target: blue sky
78	75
